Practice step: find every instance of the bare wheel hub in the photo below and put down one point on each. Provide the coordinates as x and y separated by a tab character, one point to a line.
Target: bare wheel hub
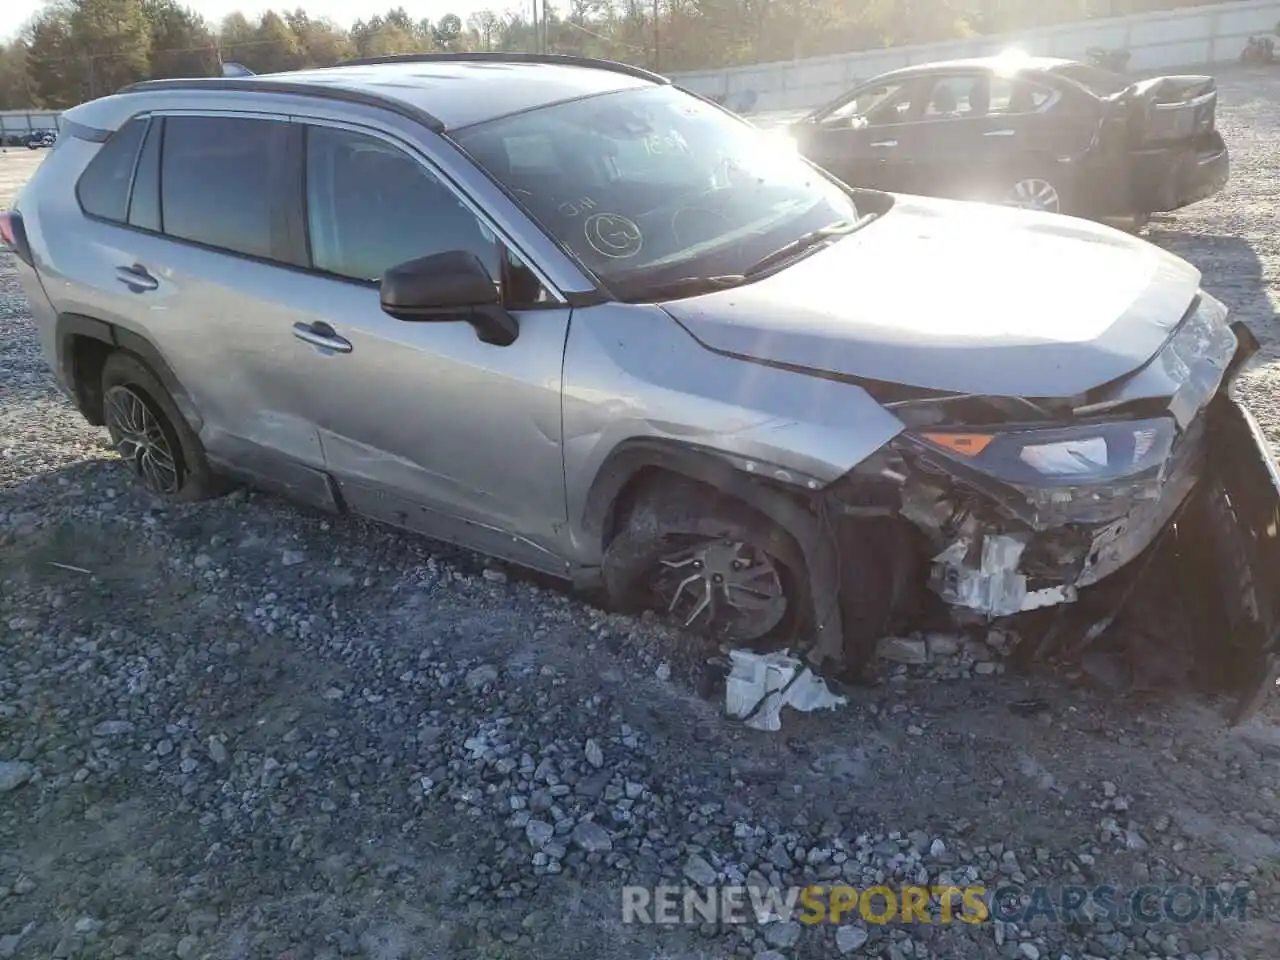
724	587
141	440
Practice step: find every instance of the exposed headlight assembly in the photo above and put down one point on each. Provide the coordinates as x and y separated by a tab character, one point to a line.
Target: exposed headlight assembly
1065	456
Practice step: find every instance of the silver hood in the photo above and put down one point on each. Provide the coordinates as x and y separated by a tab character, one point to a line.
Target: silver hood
959	297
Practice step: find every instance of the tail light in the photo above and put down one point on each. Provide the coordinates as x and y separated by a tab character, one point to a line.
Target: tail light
14	235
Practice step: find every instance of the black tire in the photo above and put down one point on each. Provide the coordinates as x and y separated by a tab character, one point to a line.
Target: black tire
125	378
879	575
653	527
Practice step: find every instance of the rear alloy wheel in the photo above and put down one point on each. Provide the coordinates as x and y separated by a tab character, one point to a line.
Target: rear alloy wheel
151	435
1035	193
143	440
723	587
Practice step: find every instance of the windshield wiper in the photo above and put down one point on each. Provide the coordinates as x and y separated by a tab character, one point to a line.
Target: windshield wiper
806	241
681	287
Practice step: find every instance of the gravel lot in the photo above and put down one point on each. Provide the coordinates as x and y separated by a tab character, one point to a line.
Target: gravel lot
239	729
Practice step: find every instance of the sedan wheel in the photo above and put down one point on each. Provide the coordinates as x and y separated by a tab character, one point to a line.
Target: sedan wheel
722	587
1034	193
142	440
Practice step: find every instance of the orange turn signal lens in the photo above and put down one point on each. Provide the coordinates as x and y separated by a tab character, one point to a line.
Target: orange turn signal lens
962	444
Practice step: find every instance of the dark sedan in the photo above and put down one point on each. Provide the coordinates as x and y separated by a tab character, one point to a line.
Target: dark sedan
1039	133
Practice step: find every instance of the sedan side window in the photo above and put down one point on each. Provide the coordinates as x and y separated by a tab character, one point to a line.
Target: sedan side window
1009	96
957	97
371	206
886	103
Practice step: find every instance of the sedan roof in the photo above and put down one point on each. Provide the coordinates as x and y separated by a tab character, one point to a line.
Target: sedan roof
1003	63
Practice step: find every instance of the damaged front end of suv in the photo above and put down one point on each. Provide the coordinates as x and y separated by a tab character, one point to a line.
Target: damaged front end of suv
1024	502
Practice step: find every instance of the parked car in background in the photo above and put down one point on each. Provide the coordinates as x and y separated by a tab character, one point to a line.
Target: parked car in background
1043	134
41	138
569	316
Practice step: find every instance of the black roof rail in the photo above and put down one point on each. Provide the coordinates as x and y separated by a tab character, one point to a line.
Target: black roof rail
563	59
320	91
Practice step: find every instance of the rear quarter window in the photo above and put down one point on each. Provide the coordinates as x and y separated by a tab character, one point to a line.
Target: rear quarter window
103	189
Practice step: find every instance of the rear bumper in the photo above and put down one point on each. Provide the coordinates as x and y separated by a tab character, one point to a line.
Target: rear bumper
1175	177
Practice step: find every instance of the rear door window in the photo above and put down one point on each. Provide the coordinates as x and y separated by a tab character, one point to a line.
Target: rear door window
957	97
1010	96
216	181
104	186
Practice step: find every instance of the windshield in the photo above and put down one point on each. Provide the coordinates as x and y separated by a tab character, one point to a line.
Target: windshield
650	185
1101	82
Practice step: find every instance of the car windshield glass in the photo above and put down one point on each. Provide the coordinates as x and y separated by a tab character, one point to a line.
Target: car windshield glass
651	185
1094	79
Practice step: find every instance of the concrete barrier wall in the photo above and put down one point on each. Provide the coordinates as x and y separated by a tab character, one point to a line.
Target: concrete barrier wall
1175	38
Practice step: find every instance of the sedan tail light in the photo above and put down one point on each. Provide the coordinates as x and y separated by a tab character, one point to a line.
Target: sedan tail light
14	235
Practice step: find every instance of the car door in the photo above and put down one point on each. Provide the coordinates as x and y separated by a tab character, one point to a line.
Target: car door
1032	131
858	139
423	424
189	261
940	145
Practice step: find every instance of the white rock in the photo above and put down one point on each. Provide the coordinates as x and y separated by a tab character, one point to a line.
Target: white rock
13	774
908	650
850	938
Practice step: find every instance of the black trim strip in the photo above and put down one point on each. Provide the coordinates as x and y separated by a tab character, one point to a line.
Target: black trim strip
82	132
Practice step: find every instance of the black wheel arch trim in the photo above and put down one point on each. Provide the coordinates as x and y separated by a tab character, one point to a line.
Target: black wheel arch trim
816	541
72	325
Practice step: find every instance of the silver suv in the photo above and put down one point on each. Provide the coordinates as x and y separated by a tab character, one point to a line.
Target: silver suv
568	315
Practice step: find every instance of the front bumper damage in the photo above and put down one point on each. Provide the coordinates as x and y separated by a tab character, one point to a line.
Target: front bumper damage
996	551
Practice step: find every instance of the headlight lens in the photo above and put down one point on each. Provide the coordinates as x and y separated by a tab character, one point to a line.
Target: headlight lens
1066	456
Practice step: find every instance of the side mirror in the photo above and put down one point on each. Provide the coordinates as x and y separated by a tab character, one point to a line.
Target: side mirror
447	287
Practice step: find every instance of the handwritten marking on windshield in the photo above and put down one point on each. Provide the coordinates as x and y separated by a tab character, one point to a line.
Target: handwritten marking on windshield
572	208
613	235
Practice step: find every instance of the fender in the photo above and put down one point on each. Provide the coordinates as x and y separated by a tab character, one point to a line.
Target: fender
816	541
72	325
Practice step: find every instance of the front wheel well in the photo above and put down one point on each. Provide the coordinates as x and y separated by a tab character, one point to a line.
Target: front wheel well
647	480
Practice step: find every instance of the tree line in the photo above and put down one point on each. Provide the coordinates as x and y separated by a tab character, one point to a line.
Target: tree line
75	50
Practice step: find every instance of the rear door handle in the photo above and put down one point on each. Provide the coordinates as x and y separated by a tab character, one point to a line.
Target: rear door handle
885	143
998	133
320	334
136	278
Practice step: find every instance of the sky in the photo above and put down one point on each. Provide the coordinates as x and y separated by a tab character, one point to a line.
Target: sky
15	13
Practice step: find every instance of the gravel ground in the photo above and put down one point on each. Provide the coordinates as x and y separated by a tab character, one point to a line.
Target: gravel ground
239	729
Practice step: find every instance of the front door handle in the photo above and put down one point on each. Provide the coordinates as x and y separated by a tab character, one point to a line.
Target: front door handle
320	334
885	143
137	278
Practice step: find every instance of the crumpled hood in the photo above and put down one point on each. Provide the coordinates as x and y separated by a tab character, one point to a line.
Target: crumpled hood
959	297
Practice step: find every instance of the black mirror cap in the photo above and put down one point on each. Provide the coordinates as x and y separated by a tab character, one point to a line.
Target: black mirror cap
449	286
439	284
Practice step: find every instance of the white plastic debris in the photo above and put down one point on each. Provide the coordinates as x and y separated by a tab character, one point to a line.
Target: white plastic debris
760	685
